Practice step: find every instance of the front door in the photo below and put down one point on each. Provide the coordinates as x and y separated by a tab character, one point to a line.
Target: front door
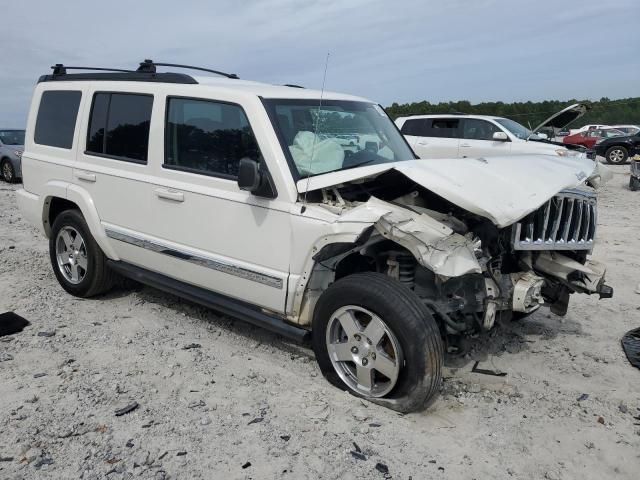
208	231
477	139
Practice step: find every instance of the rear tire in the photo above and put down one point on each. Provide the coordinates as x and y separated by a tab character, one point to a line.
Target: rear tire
616	155
634	184
77	260
404	342
7	171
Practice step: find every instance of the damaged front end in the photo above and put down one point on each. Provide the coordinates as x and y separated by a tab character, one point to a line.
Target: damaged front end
467	269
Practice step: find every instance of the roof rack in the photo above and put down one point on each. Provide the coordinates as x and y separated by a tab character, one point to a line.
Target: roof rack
149	66
60	69
146	72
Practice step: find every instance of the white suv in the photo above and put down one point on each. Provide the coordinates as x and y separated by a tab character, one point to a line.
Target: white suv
472	136
252	199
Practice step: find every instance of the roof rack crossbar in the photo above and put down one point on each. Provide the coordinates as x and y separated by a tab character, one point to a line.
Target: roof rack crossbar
60	69
149	66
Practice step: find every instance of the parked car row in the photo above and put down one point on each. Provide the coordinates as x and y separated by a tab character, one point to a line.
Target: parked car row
11	147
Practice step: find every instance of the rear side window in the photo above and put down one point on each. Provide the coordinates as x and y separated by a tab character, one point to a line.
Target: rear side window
119	126
444	128
416	127
56	119
207	137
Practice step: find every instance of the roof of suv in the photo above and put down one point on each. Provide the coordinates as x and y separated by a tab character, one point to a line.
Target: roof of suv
272	91
449	115
231	84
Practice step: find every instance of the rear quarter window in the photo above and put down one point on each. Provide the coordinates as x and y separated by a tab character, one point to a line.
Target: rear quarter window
56	120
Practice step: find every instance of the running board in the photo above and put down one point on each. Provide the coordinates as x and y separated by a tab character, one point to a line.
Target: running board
221	303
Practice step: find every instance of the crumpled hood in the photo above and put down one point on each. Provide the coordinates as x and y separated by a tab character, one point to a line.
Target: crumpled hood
502	189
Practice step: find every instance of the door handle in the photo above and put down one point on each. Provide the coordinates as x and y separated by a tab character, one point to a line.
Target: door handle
169	195
465	145
86	176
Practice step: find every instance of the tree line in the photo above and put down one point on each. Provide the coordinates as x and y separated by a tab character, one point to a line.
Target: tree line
604	111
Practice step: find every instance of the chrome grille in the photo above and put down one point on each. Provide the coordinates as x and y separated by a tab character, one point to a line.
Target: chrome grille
566	222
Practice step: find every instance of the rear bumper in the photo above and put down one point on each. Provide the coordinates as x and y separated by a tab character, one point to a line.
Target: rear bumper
30	208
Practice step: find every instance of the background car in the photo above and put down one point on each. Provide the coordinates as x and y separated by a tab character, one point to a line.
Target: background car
590	126
472	136
11	147
588	138
617	150
628	129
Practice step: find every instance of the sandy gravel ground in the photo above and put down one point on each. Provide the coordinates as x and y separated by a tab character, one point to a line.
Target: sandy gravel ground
241	403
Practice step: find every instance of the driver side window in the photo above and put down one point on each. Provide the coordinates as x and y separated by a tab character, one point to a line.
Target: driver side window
207	137
476	129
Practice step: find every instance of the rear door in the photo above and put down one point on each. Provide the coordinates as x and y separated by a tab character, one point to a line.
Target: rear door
438	138
477	139
112	164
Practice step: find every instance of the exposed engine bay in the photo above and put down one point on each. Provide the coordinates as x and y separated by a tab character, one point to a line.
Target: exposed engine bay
467	270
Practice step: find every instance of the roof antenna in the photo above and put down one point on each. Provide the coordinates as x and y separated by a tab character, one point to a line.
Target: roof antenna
315	134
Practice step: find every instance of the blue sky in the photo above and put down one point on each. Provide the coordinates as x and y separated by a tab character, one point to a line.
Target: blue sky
388	51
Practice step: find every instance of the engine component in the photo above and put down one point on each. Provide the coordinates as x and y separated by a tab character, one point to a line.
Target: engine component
527	292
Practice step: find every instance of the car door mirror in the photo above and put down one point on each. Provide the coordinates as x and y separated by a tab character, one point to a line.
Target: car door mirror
253	179
500	137
249	176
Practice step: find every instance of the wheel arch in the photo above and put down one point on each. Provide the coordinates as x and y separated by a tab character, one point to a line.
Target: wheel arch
60	197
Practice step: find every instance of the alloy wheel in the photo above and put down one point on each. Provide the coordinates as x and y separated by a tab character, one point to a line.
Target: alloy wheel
7	172
71	255
616	156
363	351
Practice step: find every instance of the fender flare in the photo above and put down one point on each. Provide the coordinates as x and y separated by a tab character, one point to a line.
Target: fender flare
87	207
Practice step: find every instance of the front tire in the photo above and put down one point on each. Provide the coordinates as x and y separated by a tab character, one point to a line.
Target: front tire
77	260
374	338
8	172
616	155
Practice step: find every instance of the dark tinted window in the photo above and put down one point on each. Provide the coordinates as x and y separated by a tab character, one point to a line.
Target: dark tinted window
416	127
125	118
95	141
56	120
444	128
475	129
208	137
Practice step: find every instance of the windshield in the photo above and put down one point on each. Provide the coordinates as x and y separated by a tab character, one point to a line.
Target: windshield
516	129
12	137
337	136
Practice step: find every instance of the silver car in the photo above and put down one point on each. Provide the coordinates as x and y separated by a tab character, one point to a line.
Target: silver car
11	147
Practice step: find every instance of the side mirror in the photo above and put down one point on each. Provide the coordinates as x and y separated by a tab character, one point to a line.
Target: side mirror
500	137
249	176
252	178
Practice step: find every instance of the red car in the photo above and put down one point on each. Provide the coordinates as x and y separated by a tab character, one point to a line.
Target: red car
590	137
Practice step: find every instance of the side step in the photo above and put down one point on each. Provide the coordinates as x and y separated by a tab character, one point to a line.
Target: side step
229	306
